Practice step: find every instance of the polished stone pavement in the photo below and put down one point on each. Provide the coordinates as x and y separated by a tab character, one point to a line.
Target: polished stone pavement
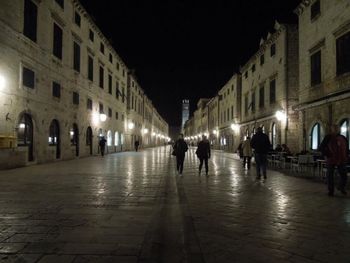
132	207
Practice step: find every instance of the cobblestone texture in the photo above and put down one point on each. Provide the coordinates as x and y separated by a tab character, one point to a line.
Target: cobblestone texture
132	207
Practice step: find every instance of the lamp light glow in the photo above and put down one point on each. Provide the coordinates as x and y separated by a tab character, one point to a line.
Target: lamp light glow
103	117
281	115
131	125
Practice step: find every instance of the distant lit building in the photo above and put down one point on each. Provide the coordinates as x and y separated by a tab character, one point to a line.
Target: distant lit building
185	112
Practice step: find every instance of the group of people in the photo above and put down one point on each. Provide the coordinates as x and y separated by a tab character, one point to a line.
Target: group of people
203	153
102	145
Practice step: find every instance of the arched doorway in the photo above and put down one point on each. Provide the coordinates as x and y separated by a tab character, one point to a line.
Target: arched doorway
25	134
74	138
54	137
273	136
315	136
89	138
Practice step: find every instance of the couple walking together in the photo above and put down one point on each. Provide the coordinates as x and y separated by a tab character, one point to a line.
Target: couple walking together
203	153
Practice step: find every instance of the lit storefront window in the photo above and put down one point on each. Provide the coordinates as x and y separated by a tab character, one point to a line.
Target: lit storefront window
315	136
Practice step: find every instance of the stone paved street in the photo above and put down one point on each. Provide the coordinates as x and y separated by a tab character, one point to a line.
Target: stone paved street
132	207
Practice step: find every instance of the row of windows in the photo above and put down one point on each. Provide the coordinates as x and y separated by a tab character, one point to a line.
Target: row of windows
225	115
262	59
30	31
28	80
342	60
252	105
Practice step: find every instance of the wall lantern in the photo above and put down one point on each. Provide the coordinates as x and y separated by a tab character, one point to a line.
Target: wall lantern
235	127
145	131
103	117
281	115
131	125
153	134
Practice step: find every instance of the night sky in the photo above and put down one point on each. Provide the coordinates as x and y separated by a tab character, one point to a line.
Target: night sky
186	49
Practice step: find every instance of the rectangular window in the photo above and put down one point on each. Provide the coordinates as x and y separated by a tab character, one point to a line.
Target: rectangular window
101	77
90	68
123	72
253	68
116	115
28	78
272	91
89	104
123	95
57	41
110	58
316	68
91	35
117	90
75	98
60	3
30	20
315	9
231	112
117	65
253	102
246	74
102	48
109	84
77	19
343	54
273	50
246	104
76	56
56	89
109	112
101	108
261	97
262	60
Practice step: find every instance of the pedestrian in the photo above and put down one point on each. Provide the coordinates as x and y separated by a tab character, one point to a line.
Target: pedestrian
137	144
180	148
261	145
335	147
240	151
203	154
102	144
247	152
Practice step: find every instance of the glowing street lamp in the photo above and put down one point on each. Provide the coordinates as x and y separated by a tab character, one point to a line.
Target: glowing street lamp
281	115
235	127
131	125
103	117
145	131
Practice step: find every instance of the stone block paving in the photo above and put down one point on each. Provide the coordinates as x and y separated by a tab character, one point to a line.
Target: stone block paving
132	207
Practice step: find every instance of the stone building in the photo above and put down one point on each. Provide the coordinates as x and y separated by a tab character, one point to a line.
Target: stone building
270	88
229	113
213	122
324	65
62	85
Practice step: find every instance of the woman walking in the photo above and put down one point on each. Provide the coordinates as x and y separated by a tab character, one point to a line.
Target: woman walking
247	152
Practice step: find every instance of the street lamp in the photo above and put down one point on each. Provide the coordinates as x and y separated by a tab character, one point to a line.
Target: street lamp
103	117
281	115
145	131
131	125
235	127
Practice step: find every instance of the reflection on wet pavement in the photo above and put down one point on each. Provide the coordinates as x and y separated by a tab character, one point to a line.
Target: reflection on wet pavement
132	207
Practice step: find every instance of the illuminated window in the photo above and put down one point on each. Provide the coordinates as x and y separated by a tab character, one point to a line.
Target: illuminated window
315	136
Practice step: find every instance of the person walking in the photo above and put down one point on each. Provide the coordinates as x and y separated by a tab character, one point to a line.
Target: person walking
261	145
335	147
102	144
247	152
203	154
136	145
180	148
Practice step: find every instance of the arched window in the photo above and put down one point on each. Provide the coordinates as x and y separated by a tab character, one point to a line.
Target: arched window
263	128
116	139
253	132
122	139
315	136
89	136
246	133
109	138
54	133
25	134
273	135
74	133
345	129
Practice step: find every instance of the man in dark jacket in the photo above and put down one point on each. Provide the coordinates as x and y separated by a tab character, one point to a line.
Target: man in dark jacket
335	147
180	148
203	154
261	145
102	144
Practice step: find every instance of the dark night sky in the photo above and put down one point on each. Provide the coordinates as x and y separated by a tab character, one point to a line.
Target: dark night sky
186	49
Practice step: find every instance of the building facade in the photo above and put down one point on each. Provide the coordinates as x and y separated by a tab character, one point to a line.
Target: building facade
324	65
62	85
270	88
